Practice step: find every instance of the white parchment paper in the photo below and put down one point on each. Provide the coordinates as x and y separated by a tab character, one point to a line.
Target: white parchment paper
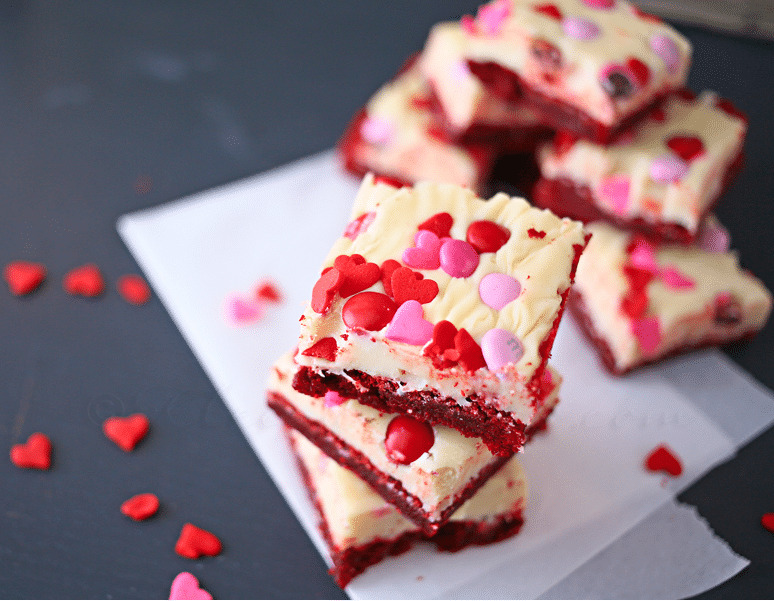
591	504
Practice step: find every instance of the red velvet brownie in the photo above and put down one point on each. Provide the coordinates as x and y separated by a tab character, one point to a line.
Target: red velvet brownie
426	472
360	529
588	66
661	178
640	302
442	305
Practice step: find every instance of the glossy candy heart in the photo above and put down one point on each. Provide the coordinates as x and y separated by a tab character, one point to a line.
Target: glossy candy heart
406	284
358	274
424	253
492	16
140	507
185	586
500	348
409	325
325	289
24	277
377	130
33	454
440	224
498	289
369	311
194	542
767	521
714	238
662	459
549	10
333	399
84	281
126	432
676	279
458	258
579	28
666	49
487	236
643	255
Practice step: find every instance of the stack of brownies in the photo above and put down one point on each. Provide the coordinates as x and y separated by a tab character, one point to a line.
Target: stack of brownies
421	368
593	92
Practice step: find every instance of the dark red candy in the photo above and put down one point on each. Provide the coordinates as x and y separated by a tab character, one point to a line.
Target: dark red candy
388	268
471	357
358	275
23	277
661	459
369	311
324	290
140	507
639	70
767	521
325	348
407	439
407	284
686	147
487	236
440	224
550	10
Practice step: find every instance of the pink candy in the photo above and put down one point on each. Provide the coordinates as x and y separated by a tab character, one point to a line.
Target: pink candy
666	49
424	255
333	399
458	258
647	330
241	311
644	256
498	289
491	17
186	586
376	130
409	325
616	190
580	28
714	238
668	168
500	348
674	278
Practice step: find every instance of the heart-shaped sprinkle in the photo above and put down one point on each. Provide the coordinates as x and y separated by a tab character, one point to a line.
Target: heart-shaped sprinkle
443	339
498	289
713	237
579	28
407	439
325	348
647	330
268	291
767	521
126	432
440	224
536	234
662	459
195	542
140	507
639	71
468	352
325	289
358	275
668	168
491	17
600	4
615	189
500	348
406	284
424	253
33	454
369	311
645	16
666	49
133	289
388	268
185	586
24	277
84	281
549	10
358	225
377	130
333	399
409	325
487	236
458	258
686	147
676	279
241	311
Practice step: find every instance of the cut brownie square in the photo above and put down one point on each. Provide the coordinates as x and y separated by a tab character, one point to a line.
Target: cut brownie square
360	529
426	472
661	178
588	66
442	305
640	302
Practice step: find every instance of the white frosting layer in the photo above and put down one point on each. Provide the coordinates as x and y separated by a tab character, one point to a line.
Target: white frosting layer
686	316
542	267
683	201
356	515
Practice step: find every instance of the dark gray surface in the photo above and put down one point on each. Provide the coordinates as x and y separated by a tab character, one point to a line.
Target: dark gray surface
112	107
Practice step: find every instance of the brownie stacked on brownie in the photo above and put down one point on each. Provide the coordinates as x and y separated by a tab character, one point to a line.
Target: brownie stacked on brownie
422	362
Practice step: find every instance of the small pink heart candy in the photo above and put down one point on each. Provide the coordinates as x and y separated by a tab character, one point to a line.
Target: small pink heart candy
666	49
409	325
376	130
458	258
498	289
424	253
668	168
186	586
674	278
500	348
714	238
242	311
647	330
491	17
333	399
643	255
616	190
580	28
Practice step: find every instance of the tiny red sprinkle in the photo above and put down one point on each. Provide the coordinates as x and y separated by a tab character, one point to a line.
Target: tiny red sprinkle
24	277
767	521
662	459
407	439
268	291
84	281
194	542
133	289
33	454
126	432
140	507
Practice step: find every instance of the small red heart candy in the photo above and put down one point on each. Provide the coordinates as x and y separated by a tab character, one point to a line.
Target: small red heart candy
133	289
126	432
639	70
33	454
661	459
550	10
686	147
406	284
487	236
443	340
325	348
325	289
140	507
23	277
471	357
195	542
407	439
767	521
358	275
388	268
440	224
368	311
268	291
84	281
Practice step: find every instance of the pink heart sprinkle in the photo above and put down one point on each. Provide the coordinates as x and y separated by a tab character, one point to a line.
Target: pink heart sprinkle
492	16
668	168
643	255
409	325
666	49
500	348
241	311
714	238
333	399
647	330
186	586
424	253
458	258
498	289
580	28
376	130
674	278
616	190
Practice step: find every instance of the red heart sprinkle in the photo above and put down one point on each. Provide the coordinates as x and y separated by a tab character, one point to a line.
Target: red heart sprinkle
638	277
406	284
533	233
325	289
639	70
686	147
23	277
487	236
661	459
407	439
470	356
767	521
84	281
388	268
550	10
368	311
440	224
195	542
140	507
33	454
268	291
126	432
358	275
325	348
134	289
359	225
442	341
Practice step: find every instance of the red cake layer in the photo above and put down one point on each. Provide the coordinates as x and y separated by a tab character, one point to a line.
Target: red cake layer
576	201
388	487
